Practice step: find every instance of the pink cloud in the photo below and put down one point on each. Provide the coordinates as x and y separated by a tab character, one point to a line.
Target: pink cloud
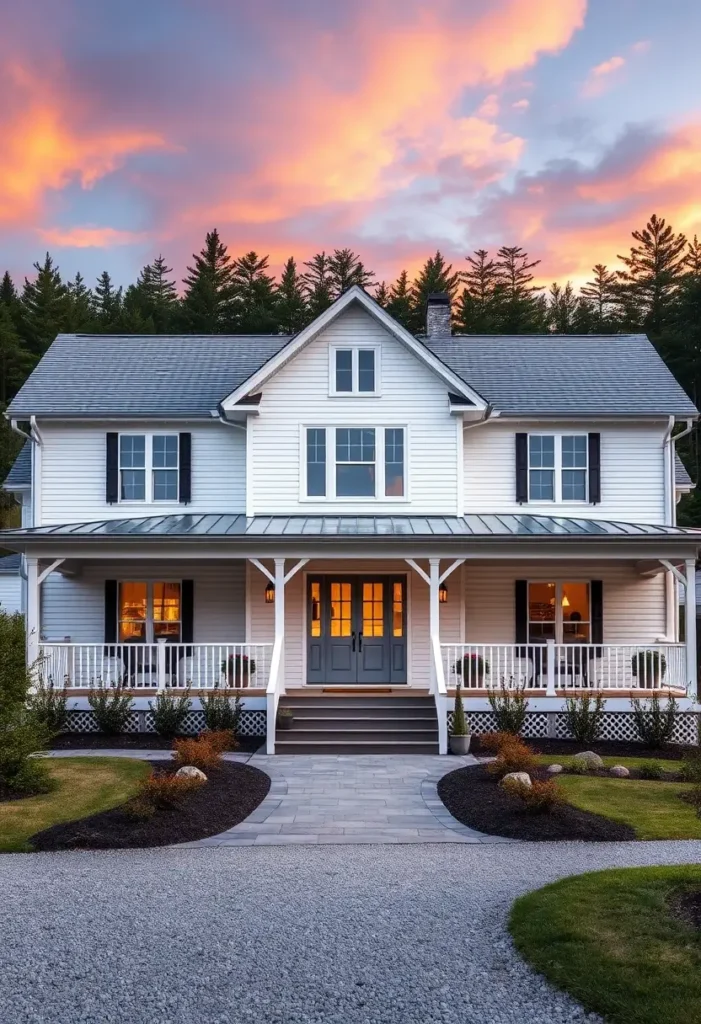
599	78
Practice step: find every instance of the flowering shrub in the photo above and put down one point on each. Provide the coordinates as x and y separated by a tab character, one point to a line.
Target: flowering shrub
200	753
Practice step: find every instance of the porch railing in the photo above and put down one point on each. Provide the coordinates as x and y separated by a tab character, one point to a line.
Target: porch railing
552	666
156	666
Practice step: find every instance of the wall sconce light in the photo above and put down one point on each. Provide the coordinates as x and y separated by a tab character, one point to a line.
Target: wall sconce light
565	601
443	594
270	594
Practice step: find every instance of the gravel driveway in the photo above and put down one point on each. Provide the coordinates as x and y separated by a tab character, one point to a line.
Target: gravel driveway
342	934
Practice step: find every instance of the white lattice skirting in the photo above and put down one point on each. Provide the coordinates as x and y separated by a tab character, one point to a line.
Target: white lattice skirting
252	722
617	725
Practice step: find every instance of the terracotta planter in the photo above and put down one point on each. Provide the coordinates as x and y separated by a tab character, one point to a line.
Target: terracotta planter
460	744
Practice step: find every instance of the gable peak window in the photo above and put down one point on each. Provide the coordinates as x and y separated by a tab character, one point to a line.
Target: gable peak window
355	462
353	370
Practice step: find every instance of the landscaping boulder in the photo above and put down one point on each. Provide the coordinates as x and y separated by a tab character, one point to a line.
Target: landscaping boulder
523	778
555	769
620	771
189	771
589	758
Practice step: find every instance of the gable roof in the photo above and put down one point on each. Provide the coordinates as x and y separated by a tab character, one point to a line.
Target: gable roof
359	296
681	478
566	375
20	474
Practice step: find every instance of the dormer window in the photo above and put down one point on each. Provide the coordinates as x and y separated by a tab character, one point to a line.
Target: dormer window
353	370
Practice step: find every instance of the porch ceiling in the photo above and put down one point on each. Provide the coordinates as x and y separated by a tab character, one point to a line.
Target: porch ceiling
230	535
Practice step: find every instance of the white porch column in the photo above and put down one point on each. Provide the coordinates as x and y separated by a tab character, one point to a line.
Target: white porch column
434	606
33	611
690	622
279	582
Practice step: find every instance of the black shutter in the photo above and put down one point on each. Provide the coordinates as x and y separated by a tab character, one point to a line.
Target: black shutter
521	468
596	593
187	611
595	468
111	611
112	468
185	485
521	612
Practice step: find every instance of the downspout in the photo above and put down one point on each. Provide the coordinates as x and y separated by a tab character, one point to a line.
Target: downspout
671	594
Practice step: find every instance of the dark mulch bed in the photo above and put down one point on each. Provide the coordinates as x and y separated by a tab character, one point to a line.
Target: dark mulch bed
133	741
475	799
230	794
686	905
605	748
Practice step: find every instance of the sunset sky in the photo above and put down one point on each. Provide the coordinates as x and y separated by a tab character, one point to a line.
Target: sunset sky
394	127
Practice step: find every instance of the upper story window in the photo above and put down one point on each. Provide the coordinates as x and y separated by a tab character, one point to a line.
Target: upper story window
557	467
354	370
355	462
148	467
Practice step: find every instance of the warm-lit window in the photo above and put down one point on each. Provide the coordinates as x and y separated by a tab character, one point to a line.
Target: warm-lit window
397	609
559	611
353	371
148	467
355	462
341	609
373	609
315	611
148	611
557	467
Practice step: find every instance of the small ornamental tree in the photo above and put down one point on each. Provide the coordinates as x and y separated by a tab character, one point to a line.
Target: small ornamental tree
460	726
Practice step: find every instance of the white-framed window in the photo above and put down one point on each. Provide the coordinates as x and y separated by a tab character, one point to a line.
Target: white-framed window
359	462
354	370
148	610
149	467
559	611
558	467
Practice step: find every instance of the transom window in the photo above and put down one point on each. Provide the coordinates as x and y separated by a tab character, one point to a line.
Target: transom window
557	467
355	462
353	371
559	611
148	467
147	611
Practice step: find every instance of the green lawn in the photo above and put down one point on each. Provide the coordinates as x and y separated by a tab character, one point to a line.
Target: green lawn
609	762
86	785
610	941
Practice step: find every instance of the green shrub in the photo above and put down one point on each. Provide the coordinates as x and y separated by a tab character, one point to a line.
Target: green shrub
21	731
578	767
509	707
15	679
651	770
111	708
169	713
655	724
222	710
50	706
460	725
584	715
690	768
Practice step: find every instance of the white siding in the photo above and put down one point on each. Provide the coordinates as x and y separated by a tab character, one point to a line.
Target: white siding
75	607
632	471
298	394
262	615
73	472
10	594
634	605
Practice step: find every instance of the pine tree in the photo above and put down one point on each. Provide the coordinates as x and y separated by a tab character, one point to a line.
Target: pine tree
345	270
208	302
475	312
435	276
79	318
318	284
562	308
44	307
10	298
399	305
654	269
107	305
15	361
602	294
382	295
517	307
291	305
255	295
692	261
154	297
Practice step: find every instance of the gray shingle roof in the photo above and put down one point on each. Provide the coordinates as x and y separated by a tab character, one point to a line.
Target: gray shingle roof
175	376
550	375
681	477
20	474
9	565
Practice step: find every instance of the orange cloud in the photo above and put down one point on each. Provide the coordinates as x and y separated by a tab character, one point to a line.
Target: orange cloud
44	145
398	120
598	79
90	237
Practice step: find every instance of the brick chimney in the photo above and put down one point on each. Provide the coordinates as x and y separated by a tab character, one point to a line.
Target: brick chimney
438	315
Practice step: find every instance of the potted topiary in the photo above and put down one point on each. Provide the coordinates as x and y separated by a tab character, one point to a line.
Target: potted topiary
460	729
285	718
472	668
648	667
238	668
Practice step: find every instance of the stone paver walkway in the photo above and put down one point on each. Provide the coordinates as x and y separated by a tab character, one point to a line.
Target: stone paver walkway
340	799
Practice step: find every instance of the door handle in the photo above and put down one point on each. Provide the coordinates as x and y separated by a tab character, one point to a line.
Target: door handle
360	641
353	641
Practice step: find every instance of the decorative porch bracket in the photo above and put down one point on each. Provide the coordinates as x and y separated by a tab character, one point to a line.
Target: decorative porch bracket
34	582
276	685
434	578
688	580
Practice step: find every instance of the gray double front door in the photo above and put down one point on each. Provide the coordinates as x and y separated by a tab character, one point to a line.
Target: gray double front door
356	629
